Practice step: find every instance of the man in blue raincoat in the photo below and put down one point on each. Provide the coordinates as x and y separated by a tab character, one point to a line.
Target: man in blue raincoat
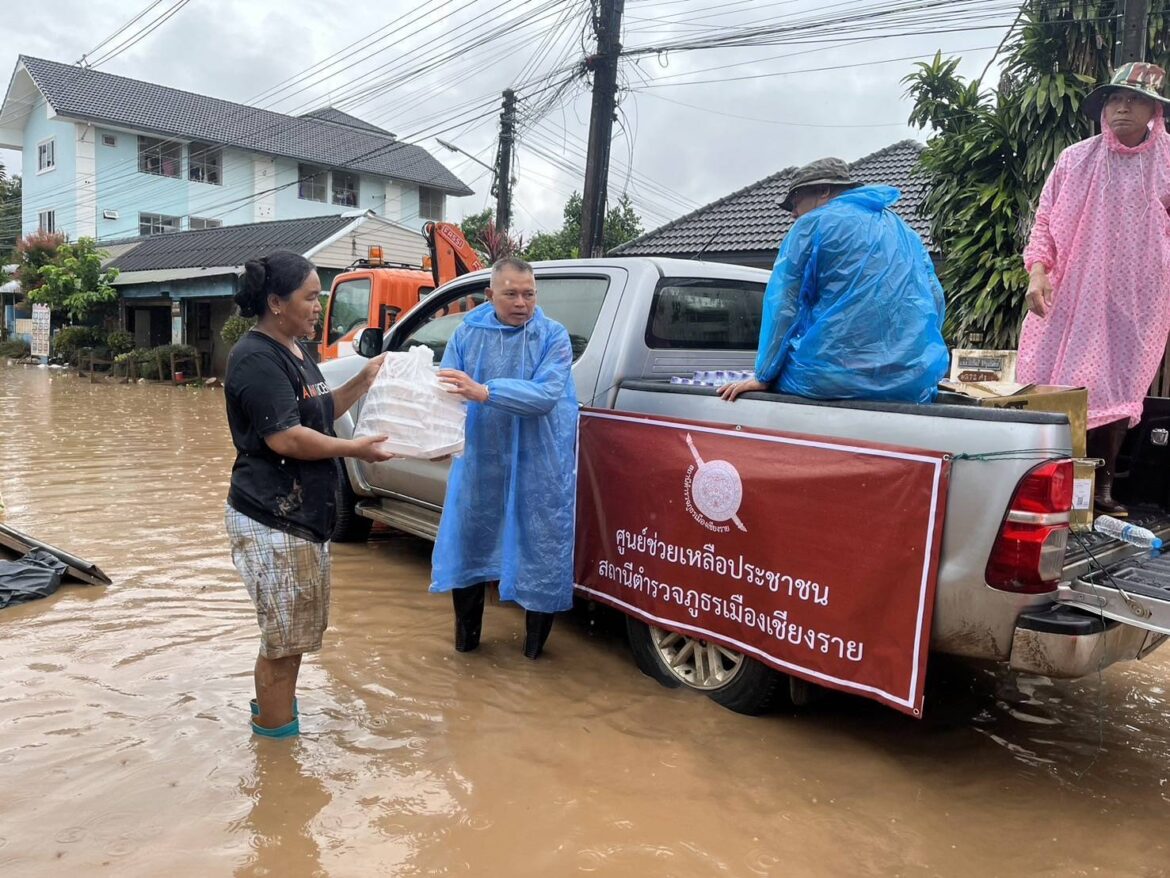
853	309
508	515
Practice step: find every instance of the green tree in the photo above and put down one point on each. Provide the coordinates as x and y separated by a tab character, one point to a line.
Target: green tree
475	225
621	224
992	150
74	282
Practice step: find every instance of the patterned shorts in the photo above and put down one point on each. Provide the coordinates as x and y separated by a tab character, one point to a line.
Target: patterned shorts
288	580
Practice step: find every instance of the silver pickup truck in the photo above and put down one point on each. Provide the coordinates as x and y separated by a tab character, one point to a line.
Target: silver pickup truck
1013	586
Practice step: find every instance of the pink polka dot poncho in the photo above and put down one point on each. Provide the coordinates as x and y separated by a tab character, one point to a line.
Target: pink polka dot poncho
1103	232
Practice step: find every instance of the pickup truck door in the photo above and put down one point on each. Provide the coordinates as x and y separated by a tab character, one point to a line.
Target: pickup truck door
583	299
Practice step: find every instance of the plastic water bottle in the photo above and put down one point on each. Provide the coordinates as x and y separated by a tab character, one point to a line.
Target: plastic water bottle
1129	533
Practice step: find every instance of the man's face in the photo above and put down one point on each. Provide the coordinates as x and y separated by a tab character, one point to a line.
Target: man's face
1129	115
513	295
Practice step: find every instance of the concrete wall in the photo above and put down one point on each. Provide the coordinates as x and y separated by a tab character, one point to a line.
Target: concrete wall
51	190
124	191
289	204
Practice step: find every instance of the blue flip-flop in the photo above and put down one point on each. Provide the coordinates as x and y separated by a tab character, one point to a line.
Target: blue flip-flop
289	730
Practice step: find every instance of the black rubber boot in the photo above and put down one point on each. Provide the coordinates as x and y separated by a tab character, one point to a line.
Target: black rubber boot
1105	442
537	627
468	615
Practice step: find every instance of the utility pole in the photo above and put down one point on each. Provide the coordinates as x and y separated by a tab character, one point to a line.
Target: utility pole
608	25
1131	31
503	191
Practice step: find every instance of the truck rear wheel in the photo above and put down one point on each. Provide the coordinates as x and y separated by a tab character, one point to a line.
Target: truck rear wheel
350	527
725	676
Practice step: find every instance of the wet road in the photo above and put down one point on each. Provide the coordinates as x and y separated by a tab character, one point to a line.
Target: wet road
125	746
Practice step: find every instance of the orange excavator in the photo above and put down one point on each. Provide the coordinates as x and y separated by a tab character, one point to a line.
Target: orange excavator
373	293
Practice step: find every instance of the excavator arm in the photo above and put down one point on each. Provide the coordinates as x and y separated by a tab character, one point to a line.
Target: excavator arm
451	255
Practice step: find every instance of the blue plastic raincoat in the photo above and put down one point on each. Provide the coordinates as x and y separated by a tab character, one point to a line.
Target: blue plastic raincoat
510	503
853	309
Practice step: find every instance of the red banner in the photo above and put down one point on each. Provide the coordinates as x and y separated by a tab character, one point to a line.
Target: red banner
817	557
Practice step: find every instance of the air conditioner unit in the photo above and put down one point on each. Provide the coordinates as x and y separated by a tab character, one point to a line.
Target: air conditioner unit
110	214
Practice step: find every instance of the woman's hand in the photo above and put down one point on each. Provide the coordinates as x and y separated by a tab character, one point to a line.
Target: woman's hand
464	385
1040	291
367	449
370	371
730	391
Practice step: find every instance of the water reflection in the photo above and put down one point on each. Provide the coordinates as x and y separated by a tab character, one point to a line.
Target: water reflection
125	745
286	798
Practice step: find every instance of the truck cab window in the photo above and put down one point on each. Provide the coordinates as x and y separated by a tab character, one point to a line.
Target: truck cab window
350	308
574	302
701	314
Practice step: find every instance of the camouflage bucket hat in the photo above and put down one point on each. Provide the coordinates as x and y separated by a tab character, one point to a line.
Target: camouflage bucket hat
822	172
1137	76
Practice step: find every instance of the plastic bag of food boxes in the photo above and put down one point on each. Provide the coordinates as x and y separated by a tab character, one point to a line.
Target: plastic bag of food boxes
407	403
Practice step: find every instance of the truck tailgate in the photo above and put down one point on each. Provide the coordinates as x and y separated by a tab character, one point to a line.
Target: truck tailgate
1119	582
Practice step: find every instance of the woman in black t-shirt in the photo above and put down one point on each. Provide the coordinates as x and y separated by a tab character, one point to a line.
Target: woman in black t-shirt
282	501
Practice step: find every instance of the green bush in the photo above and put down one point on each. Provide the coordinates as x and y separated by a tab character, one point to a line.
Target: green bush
145	361
120	342
72	339
235	328
16	349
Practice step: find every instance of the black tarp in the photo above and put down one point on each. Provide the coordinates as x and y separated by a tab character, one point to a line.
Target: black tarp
35	575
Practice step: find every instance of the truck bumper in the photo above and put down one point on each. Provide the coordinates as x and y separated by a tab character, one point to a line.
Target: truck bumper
1068	643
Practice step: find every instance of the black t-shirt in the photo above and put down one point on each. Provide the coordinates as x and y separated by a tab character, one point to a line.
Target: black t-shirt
270	390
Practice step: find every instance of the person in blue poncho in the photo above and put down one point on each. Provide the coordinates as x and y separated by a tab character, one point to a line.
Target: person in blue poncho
510	504
853	309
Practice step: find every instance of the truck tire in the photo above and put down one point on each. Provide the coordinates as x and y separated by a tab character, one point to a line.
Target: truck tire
350	527
729	678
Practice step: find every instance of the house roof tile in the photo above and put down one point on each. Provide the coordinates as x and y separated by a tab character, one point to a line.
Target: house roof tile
751	220
228	245
317	138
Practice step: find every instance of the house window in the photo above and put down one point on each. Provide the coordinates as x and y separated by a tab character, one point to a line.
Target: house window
199	222
345	189
109	140
163	158
47	221
205	164
156	224
430	203
312	183
46	156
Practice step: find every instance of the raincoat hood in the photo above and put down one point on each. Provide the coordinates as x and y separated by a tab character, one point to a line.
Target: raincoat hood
873	198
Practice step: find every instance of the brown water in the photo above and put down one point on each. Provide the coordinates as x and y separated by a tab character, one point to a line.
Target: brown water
125	746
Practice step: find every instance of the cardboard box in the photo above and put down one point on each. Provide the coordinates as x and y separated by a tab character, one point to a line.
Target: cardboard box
1070	401
969	365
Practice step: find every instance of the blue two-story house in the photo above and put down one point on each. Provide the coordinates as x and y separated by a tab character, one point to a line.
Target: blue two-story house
109	157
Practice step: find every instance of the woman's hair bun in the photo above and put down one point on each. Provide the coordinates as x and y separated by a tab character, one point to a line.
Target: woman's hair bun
280	273
251	294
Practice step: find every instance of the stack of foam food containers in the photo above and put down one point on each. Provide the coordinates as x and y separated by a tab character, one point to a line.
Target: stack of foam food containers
408	403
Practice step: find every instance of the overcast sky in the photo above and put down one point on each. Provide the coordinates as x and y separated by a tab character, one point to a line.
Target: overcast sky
694	125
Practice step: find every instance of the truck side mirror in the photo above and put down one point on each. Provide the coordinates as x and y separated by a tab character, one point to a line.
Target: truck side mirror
369	343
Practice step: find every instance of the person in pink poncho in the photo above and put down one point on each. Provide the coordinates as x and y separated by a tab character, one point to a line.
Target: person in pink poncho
1099	265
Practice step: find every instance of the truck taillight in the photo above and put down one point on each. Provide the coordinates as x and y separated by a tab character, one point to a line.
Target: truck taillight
1028	556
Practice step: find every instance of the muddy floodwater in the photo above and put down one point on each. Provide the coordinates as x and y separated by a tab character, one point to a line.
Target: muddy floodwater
125	746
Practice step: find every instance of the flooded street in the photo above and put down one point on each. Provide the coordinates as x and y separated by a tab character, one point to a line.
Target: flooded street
125	747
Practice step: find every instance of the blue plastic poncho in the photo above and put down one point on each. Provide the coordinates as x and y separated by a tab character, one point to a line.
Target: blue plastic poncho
853	309
510	503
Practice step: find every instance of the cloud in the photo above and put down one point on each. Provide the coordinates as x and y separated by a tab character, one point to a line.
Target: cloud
691	143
